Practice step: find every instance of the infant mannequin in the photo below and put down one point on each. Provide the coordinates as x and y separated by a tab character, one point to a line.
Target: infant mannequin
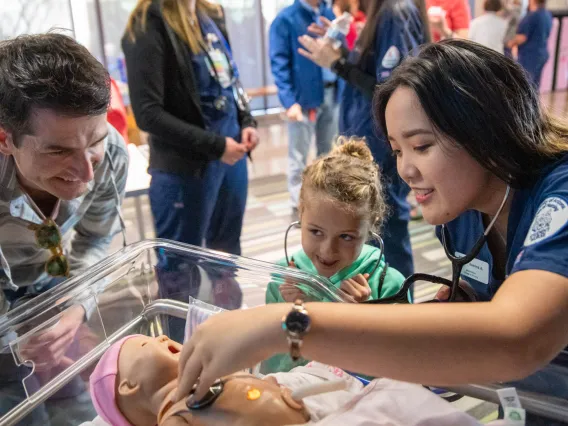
137	376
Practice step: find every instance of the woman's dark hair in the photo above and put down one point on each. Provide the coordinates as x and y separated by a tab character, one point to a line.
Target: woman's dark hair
374	9
49	71
492	5
484	103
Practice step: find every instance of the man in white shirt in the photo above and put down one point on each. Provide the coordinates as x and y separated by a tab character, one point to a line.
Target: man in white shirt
489	29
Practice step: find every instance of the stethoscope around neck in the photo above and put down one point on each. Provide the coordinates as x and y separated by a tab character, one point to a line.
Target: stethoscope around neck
458	262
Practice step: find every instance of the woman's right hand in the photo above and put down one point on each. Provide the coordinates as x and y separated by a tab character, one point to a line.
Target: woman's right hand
234	151
229	342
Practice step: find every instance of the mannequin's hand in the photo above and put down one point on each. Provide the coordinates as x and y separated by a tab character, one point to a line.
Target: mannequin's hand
294	113
47	350
289	290
319	51
229	342
357	287
234	151
249	138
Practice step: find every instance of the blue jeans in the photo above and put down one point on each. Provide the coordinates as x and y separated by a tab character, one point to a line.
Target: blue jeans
300	135
203	211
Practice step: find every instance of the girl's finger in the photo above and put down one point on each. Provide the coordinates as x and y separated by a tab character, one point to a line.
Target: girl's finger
350	287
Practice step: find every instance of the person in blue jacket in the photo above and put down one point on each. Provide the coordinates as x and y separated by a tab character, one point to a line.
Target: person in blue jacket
465	161
306	91
532	39
393	29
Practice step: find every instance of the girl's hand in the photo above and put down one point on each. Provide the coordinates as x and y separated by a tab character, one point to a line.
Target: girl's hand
229	342
289	290
357	287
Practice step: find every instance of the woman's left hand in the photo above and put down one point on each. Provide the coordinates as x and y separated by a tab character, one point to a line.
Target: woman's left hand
319	51
249	136
229	342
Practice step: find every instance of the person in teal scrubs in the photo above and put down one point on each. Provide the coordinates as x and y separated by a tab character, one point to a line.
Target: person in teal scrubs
341	203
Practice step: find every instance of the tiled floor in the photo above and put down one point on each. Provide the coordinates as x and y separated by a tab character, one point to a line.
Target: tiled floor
268	215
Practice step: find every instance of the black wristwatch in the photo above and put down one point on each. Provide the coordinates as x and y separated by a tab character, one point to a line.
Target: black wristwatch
338	66
296	324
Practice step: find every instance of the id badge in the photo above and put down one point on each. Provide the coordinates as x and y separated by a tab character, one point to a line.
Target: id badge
222	67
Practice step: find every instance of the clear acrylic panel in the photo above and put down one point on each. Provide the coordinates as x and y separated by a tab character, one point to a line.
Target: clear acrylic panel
144	288
151	288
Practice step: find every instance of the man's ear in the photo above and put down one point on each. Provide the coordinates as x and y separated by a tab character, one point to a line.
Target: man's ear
127	389
6	142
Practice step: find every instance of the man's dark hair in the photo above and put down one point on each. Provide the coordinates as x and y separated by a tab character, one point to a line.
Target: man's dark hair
492	5
48	71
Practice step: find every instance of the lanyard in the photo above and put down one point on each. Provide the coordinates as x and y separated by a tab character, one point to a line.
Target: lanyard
209	59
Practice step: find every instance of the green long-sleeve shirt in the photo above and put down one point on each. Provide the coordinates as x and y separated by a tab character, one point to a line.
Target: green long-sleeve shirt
364	264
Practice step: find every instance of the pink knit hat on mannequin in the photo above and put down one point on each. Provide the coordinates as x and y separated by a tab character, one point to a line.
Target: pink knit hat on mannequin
103	385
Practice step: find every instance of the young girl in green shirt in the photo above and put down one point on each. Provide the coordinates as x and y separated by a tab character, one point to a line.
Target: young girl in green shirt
341	204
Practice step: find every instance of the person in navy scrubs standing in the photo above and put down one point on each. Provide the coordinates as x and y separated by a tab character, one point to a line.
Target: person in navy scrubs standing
532	39
182	84
393	29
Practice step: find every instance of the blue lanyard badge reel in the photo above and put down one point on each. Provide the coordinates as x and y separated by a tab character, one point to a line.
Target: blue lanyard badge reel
221	68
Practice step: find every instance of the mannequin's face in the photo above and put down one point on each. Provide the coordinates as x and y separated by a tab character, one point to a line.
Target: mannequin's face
146	366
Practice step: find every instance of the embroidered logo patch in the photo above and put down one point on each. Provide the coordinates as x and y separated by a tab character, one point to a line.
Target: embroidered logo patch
391	58
551	216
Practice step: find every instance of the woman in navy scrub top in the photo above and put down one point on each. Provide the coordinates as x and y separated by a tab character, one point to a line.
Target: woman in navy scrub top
180	75
459	156
532	39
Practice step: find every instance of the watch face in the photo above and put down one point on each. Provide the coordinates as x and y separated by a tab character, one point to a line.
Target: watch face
297	322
